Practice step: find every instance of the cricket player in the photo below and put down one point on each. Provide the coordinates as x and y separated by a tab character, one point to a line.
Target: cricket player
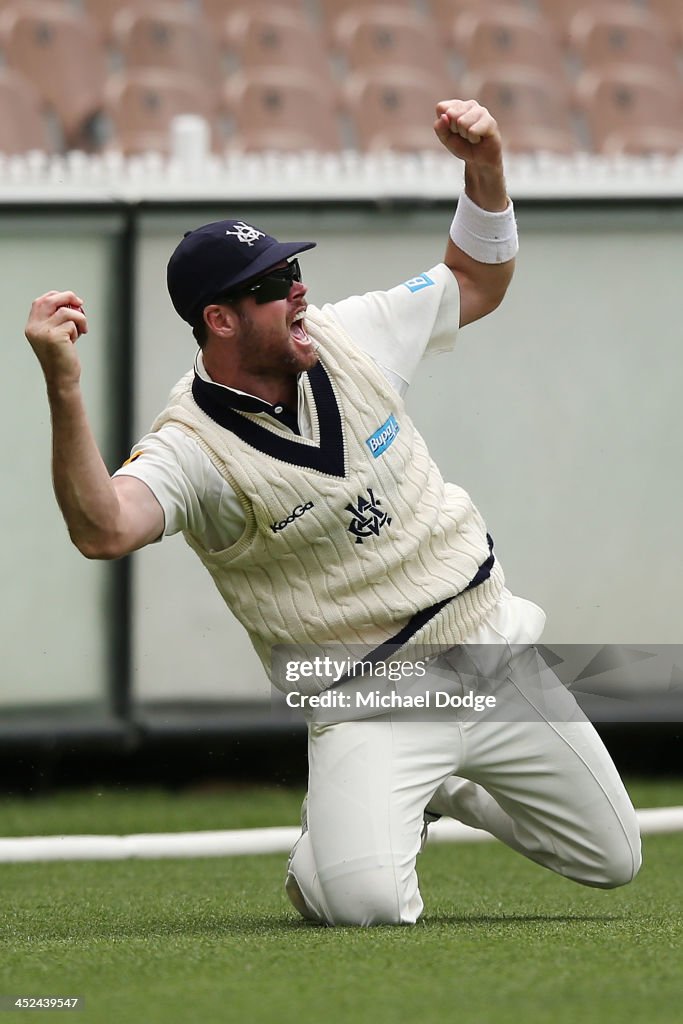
288	461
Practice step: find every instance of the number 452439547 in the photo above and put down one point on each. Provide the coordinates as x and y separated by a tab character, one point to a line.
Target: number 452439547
41	1003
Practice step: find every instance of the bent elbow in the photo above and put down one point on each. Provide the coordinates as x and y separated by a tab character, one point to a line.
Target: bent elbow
485	304
492	296
496	299
102	549
482	293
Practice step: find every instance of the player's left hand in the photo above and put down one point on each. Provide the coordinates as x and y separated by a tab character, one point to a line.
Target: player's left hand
468	131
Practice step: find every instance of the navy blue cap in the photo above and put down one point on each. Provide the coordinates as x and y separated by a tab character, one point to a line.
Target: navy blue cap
218	257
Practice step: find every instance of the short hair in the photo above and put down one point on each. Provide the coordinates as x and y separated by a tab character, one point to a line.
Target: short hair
201	333
199	328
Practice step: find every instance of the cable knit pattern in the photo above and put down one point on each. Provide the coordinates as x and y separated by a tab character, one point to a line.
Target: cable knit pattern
313	581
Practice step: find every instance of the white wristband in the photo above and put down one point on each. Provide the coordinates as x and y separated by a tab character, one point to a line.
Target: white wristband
485	236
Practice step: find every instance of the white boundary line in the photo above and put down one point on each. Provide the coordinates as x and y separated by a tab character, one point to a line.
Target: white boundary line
243	842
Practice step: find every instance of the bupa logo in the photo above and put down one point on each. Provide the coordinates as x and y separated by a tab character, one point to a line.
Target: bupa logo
383	437
294	514
367	518
245	233
416	284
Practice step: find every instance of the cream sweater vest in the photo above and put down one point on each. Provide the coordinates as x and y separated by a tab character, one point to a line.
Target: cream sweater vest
351	538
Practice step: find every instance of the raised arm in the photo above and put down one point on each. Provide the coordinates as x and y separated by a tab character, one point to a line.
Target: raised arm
106	518
482	254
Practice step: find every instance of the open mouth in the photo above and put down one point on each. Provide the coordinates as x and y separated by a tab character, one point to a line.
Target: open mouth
297	329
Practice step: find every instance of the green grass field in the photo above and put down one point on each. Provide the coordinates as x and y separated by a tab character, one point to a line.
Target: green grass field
215	940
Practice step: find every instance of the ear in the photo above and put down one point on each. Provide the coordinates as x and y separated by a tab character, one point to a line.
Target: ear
221	320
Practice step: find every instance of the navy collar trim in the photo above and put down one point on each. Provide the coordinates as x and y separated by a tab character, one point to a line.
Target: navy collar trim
249	403
328	457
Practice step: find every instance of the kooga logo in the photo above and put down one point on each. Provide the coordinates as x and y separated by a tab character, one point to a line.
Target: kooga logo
295	514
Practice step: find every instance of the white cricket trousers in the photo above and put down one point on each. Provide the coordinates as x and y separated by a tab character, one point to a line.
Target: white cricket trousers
542	783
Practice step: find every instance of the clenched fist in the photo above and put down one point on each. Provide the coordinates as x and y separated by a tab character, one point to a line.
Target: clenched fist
468	131
55	322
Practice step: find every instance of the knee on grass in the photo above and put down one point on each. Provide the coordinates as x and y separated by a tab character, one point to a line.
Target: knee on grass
617	866
365	913
621	871
367	899
364	899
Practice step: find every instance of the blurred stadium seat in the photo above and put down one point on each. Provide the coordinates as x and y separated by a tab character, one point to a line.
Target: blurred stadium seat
63	55
272	111
268	36
611	34
140	106
105	11
376	36
516	56
444	12
492	36
632	109
393	108
332	9
216	11
166	35
561	12
22	117
533	108
671	13
648	140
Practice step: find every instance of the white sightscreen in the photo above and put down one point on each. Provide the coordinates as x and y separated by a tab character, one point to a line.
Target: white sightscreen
55	605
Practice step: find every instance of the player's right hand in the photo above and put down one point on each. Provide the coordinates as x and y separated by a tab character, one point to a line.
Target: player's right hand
55	322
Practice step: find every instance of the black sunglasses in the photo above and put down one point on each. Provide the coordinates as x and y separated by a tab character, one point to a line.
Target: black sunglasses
274	285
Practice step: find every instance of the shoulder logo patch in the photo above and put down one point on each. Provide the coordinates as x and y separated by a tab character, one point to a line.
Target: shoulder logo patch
383	437
416	284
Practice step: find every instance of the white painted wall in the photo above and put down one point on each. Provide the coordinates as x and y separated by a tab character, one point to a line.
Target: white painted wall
54	603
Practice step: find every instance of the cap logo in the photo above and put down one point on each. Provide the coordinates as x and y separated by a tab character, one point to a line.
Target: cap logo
245	233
